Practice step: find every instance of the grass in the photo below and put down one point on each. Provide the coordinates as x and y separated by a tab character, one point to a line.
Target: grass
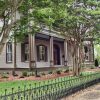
21	84
15	84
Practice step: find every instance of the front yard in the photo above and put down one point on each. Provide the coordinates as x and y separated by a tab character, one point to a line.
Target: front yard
19	85
45	83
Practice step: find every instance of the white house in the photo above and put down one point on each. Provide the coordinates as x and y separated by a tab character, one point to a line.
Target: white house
47	50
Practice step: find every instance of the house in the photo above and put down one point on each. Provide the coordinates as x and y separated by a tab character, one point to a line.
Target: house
43	50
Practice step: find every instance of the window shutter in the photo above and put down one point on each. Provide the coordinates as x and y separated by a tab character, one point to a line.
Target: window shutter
22	52
46	54
38	54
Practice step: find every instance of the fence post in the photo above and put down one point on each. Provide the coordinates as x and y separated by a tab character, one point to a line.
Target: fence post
5	98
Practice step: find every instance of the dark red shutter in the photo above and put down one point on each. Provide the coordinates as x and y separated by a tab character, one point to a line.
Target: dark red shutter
22	52
46	54
38	53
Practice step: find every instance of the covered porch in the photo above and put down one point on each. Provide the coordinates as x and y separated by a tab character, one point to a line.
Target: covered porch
47	51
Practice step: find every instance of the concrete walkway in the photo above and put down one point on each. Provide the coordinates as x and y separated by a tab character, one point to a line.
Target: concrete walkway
91	93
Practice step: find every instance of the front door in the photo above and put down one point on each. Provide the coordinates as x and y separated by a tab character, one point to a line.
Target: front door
56	55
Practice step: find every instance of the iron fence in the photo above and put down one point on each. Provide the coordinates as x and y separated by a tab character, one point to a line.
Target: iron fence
53	90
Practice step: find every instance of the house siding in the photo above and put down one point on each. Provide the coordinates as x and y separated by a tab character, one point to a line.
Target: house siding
3	63
20	64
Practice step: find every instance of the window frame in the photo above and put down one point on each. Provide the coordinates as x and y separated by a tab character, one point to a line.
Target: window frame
44	53
9	53
26	53
86	53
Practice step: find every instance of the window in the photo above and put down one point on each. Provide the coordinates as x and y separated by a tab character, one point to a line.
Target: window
24	52
9	52
86	51
41	53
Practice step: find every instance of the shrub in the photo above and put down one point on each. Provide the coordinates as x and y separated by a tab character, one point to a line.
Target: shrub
96	63
21	77
92	67
14	74
58	71
70	69
4	75
50	72
7	72
31	74
43	73
81	74
24	73
66	71
38	75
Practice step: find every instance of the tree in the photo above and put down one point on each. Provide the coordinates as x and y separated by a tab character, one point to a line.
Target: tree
74	19
80	20
8	20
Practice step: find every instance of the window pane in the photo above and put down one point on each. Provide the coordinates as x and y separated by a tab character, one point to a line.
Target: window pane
26	52
9	52
41	54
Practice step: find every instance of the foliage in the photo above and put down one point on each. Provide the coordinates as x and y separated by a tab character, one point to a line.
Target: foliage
58	71
66	71
50	72
71	80
92	67
24	73
4	75
96	52
96	63
74	19
43	73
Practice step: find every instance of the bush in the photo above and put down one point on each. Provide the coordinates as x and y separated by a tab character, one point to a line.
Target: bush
92	67
4	75
50	72
43	73
14	74
81	74
21	77
24	73
7	72
66	71
96	63
38	75
58	71
31	74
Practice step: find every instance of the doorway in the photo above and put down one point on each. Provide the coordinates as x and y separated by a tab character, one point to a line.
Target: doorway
56	55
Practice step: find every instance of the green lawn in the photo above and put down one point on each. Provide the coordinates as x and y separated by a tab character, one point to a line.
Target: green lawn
22	84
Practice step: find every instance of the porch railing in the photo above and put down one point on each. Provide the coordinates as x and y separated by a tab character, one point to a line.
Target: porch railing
54	90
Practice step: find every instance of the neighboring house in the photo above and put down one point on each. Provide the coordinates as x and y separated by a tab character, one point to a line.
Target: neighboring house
47	50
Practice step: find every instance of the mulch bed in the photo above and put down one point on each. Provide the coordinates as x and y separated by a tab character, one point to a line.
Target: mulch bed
42	77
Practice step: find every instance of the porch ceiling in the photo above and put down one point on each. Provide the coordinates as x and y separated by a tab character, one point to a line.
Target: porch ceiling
47	37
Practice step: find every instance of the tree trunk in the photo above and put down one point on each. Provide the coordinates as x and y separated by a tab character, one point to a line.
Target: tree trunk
14	57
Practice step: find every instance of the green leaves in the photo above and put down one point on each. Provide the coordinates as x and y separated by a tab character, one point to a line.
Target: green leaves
69	16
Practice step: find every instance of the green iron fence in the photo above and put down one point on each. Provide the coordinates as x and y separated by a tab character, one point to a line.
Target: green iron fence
52	91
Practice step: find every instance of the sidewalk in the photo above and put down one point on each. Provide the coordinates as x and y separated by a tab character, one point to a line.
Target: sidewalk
91	93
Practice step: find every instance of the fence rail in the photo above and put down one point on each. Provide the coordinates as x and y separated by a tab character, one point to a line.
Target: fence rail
52	91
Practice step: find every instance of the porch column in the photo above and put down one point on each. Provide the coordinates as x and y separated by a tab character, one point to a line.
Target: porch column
32	56
65	52
51	52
